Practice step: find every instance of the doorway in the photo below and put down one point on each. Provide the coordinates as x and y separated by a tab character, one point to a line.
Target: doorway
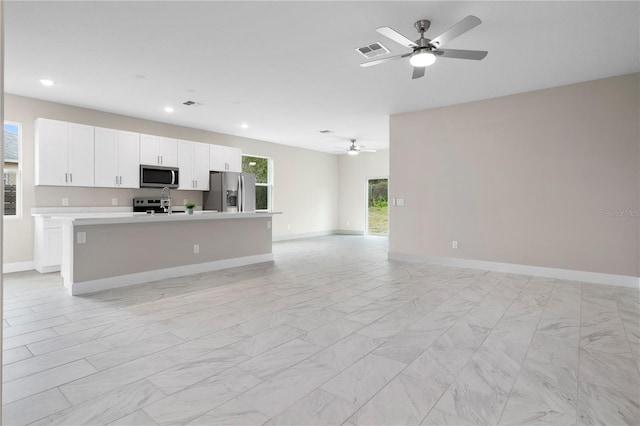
378	206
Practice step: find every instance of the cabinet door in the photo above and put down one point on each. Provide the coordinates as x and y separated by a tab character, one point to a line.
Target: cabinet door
149	151
51	152
106	157
81	155
168	150
201	166
234	159
129	159
217	158
52	247
185	164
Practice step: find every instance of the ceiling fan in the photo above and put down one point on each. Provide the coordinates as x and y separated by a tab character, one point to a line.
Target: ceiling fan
425	51
356	149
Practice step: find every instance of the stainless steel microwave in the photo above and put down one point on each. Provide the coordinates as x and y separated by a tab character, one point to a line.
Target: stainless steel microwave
158	177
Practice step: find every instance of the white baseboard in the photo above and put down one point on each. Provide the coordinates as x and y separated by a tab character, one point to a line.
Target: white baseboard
7	268
161	274
512	268
287	237
348	232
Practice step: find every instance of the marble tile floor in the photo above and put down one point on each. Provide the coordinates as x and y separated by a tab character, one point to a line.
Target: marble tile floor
331	333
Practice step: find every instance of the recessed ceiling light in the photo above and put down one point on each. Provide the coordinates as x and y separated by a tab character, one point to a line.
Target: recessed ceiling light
46	82
244	125
168	109
140	76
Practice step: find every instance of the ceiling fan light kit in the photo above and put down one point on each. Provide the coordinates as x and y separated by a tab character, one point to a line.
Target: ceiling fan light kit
422	59
425	50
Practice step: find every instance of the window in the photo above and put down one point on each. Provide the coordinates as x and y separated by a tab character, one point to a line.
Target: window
261	167
11	168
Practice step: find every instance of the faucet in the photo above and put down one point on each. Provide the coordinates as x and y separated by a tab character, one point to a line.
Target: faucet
165	202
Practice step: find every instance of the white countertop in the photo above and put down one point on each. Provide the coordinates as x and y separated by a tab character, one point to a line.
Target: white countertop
103	218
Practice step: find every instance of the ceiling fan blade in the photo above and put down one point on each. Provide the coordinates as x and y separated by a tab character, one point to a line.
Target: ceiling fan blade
396	36
461	54
418	72
383	60
367	150
458	29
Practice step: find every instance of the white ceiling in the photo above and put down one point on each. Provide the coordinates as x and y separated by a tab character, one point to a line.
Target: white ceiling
289	69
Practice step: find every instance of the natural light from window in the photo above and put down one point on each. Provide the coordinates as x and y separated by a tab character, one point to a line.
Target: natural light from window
11	168
262	168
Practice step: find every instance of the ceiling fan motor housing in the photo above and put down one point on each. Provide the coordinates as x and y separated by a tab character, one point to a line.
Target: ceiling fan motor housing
422	25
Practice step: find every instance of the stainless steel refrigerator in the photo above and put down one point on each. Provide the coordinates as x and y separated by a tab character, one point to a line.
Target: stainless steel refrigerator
230	192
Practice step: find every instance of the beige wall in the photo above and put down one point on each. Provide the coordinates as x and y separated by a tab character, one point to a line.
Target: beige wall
352	195
305	181
523	179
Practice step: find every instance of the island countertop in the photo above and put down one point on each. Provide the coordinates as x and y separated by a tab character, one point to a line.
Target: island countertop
96	218
108	249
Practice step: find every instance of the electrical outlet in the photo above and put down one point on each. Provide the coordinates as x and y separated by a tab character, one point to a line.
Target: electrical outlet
268	224
185	201
114	201
400	202
65	201
288	227
82	238
196	248
348	223
454	245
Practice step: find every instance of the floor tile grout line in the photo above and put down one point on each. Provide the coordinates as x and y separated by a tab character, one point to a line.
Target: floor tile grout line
475	351
524	358
579	354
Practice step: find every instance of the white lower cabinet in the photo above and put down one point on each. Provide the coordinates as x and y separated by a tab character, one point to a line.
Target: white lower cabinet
47	247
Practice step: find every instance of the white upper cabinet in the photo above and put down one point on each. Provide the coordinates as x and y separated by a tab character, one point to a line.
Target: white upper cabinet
64	153
193	160
158	151
225	159
117	162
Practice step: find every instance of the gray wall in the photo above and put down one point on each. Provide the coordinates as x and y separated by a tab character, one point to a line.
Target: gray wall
306	182
122	249
524	179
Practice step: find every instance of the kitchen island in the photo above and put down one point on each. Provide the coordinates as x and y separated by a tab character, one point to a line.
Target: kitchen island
104	251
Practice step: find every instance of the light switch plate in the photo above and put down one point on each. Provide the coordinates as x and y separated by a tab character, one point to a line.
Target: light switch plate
268	224
454	245
65	201
82	238
400	202
114	201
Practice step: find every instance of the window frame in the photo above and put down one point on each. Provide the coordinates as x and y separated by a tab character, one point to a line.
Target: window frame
17	171
269	184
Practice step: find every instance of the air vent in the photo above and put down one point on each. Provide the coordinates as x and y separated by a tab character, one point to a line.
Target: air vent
373	50
191	103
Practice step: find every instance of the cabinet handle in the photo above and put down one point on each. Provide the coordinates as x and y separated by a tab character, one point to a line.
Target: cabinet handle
66	177
196	185
161	159
71	177
158	159
116	180
120	180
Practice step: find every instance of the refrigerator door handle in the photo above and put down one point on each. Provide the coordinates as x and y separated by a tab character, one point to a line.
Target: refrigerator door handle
239	194
243	199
